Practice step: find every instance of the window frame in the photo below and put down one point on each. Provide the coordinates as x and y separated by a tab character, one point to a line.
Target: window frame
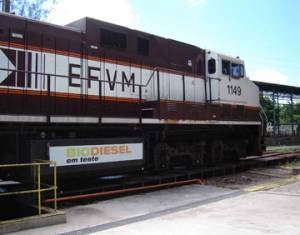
228	62
242	68
209	66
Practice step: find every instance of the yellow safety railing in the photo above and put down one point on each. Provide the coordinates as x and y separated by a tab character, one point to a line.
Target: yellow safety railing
37	182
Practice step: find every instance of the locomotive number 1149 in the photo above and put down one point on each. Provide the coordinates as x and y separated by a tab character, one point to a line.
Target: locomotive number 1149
234	90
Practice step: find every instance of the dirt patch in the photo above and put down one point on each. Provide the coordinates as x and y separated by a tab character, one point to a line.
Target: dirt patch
250	178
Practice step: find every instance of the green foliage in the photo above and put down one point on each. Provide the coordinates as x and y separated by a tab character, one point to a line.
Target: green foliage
284	113
290	113
267	105
35	9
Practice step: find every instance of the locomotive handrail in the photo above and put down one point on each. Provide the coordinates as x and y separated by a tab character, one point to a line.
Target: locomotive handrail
155	69
47	77
81	78
211	78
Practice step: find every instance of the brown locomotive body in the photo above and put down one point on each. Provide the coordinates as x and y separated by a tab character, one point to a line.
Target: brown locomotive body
93	83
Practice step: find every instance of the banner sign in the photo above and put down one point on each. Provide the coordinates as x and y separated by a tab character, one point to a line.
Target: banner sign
93	154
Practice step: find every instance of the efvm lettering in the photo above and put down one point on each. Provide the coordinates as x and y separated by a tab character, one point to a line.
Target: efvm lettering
113	77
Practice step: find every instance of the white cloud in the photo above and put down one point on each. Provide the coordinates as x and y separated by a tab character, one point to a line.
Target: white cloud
269	75
194	3
113	11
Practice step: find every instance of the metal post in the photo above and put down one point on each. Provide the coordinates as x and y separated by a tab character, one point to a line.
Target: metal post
158	93
55	185
39	189
292	113
274	114
278	107
34	176
6	6
140	103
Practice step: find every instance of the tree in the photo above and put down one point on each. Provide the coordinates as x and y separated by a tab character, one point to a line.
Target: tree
35	9
283	112
267	106
290	113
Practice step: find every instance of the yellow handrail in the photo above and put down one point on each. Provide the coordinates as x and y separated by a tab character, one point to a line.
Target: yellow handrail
27	164
37	182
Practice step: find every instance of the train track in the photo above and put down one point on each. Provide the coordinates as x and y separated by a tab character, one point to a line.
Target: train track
107	187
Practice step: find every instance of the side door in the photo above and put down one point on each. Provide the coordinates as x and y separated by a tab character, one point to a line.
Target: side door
212	77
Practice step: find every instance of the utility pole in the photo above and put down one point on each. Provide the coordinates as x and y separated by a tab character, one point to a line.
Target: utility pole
6	6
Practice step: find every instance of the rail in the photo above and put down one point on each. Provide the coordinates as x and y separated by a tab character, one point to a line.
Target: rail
37	182
142	183
127	190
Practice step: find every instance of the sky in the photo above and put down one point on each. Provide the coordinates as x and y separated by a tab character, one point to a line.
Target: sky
264	33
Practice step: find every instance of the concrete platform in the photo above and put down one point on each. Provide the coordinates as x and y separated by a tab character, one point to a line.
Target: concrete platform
193	209
31	222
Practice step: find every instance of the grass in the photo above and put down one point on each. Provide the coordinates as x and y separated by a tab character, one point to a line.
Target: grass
283	148
292	164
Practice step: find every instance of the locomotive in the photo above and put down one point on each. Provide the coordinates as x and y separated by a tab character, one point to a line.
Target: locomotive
100	99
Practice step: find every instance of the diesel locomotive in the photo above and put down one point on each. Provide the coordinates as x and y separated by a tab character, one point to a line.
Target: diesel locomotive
100	99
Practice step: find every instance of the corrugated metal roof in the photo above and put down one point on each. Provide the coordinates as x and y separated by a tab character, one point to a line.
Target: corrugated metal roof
278	88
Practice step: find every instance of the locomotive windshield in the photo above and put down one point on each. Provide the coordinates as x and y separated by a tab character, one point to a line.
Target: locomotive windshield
235	70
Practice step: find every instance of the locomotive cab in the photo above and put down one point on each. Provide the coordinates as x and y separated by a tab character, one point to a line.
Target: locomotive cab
227	81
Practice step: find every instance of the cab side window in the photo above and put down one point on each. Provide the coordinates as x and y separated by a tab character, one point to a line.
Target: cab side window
211	66
226	67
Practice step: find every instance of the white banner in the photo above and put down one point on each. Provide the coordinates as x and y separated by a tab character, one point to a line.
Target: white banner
93	154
